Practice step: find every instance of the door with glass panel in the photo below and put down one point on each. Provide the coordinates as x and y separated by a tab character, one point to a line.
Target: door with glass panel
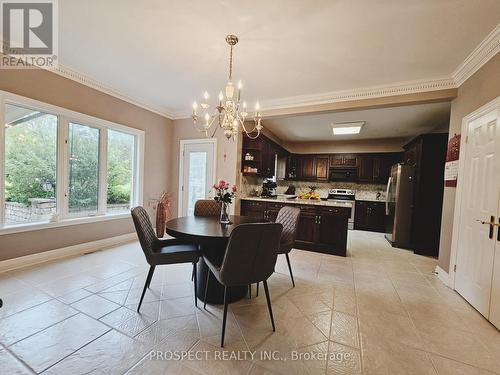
197	173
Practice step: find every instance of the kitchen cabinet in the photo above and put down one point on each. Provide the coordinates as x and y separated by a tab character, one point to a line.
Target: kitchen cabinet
427	153
365	170
322	168
307	168
370	216
328	218
376	168
306	230
344	160
254	209
263	151
321	228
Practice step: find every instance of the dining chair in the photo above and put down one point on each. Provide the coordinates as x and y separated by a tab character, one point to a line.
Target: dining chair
250	257
288	216
207	207
162	252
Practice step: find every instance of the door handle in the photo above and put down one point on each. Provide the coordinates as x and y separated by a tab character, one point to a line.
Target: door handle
492	225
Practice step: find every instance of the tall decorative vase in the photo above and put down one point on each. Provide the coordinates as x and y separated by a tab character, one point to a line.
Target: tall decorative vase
160	219
224	213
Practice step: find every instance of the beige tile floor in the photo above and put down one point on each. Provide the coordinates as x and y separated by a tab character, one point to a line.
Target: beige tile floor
379	311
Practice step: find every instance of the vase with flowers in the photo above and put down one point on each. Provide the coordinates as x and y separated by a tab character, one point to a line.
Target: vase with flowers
224	194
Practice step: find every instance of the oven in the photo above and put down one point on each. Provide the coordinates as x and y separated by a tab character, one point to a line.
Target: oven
344	196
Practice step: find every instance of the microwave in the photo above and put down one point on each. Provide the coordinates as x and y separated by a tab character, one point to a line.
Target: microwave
343	174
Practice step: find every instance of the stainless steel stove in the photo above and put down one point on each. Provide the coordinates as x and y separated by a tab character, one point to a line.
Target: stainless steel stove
343	195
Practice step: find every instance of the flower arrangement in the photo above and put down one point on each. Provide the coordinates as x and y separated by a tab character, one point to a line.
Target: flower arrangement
224	193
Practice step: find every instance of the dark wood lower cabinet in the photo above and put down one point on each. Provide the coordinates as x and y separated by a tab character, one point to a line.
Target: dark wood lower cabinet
370	216
321	228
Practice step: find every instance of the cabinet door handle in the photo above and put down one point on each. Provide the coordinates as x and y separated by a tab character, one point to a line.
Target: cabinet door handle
319	219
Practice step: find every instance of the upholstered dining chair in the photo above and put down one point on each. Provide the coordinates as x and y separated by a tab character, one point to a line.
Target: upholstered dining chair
288	216
250	257
207	207
159	252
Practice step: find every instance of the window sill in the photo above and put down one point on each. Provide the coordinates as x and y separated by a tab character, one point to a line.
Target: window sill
62	223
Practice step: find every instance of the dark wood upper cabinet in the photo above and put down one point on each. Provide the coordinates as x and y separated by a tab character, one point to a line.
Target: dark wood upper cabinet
308	167
350	160
336	160
343	160
322	168
264	151
365	170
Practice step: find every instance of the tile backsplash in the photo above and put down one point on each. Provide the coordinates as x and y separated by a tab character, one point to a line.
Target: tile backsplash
252	186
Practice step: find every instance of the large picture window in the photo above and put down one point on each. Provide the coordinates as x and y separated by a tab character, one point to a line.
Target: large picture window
58	166
30	165
83	169
120	175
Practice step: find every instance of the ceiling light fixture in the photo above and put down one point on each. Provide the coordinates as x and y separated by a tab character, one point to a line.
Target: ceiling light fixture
344	128
231	112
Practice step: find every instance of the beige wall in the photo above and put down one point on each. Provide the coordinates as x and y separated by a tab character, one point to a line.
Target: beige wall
227	157
363	145
478	90
56	90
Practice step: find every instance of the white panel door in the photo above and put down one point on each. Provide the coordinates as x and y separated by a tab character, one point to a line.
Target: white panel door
197	173
481	182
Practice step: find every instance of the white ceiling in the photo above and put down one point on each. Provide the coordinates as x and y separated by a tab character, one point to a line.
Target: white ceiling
165	53
394	122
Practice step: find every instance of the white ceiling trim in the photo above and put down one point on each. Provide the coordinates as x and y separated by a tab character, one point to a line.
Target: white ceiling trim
488	48
86	80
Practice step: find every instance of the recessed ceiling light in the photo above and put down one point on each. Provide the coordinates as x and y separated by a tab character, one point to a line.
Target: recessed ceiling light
343	128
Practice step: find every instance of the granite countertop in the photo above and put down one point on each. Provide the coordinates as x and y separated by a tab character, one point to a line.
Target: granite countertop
369	196
301	201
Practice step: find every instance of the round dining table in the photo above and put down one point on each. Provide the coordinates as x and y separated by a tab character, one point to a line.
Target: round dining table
212	238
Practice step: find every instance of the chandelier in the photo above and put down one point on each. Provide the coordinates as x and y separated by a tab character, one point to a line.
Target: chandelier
230	113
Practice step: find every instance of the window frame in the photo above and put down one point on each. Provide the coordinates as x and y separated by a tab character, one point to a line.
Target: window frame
65	117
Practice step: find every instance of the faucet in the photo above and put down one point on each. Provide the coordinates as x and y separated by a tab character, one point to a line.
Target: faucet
378	195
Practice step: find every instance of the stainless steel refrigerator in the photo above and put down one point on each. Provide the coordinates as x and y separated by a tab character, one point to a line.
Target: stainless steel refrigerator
399	205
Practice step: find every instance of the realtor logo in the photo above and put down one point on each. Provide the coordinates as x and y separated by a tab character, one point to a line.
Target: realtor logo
29	33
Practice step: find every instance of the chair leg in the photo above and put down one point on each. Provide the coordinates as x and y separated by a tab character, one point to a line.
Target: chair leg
290	268
226	299
257	291
195	282
146	285
206	289
266	289
250	291
149	283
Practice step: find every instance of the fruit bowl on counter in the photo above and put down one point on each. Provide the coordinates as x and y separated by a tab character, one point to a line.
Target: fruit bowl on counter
311	196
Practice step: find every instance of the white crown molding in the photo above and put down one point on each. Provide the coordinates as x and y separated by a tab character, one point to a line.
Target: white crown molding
86	80
487	49
398	88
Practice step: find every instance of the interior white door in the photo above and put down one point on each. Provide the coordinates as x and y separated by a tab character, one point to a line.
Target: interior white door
197	173
480	194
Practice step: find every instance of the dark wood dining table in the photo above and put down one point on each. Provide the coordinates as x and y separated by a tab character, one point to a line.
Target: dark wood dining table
212	238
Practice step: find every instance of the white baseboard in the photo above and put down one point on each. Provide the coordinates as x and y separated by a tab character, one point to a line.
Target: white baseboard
443	276
46	256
